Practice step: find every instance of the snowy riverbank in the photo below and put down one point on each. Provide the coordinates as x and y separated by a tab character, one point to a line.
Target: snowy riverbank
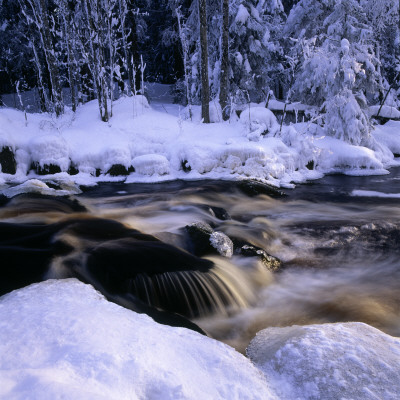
158	142
63	339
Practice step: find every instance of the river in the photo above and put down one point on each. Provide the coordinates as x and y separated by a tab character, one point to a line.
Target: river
338	243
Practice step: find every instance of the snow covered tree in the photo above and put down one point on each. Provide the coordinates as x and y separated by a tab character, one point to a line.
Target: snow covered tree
253	45
384	19
36	13
338	66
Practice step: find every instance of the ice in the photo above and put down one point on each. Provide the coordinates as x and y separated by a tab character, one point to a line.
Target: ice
37	186
330	361
62	339
371	193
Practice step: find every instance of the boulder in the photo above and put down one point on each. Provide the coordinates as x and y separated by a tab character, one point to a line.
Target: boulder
252	188
120	170
329	361
199	234
271	262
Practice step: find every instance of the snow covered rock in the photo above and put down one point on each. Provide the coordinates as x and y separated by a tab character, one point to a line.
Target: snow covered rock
151	164
331	361
204	240
259	121
62	339
271	262
66	188
199	234
222	244
49	153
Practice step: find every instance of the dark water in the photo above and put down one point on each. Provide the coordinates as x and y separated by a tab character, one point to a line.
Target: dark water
340	253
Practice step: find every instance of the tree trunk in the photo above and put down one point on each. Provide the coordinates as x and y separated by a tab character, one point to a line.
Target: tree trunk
224	84
205	89
70	61
51	61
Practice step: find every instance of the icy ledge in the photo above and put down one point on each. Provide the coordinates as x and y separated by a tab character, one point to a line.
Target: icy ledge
62	339
330	361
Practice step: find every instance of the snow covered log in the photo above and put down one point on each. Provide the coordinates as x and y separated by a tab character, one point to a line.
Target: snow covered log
62	339
331	361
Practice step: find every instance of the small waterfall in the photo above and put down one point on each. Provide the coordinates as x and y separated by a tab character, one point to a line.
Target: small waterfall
222	290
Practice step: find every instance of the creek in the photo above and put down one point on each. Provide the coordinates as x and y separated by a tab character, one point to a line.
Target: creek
337	239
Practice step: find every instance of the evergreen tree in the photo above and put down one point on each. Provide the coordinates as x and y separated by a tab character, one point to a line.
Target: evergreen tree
338	64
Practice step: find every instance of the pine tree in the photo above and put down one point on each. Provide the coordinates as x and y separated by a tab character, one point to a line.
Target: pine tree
338	65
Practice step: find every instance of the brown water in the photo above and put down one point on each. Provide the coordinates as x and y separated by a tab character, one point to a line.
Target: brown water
340	253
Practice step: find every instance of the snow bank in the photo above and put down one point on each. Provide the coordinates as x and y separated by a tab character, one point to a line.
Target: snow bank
165	146
259	121
385	111
151	164
62	339
330	361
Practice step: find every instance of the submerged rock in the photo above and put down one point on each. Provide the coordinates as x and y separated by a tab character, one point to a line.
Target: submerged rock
253	188
271	262
199	234
7	161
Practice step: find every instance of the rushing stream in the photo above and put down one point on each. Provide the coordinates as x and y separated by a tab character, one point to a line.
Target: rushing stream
339	250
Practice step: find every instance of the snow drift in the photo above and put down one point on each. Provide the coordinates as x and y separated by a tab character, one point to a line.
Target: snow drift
331	361
62	339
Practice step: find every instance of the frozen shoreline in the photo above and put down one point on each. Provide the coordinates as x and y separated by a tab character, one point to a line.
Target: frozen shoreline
161	146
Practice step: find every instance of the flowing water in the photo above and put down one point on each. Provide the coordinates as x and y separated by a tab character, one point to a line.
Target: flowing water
339	252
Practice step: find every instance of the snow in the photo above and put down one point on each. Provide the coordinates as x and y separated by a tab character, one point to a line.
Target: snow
372	193
222	243
158	140
242	15
330	361
68	187
385	111
151	164
62	339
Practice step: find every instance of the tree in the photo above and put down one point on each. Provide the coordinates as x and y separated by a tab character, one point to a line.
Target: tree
254	47
224	85
338	69
205	90
36	12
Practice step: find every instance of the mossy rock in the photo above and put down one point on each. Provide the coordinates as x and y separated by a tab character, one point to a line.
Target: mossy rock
7	161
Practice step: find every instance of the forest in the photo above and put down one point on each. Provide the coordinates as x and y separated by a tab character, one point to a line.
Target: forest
337	56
